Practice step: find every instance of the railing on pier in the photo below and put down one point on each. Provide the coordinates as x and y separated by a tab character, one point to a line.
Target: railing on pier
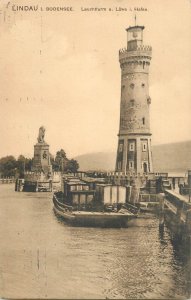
148	198
175	212
177	200
7	180
177	204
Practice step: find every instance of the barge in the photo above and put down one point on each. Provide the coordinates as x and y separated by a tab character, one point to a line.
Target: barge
107	217
104	206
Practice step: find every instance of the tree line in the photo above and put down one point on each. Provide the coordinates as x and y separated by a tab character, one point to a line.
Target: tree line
10	166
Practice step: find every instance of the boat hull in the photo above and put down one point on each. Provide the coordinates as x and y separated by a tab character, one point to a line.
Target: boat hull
92	219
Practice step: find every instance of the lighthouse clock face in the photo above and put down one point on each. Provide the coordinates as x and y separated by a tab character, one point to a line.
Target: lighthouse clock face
136	35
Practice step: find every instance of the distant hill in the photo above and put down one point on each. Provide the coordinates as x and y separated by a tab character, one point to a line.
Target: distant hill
175	157
103	161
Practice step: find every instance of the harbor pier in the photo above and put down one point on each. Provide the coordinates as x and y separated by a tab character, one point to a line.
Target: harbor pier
175	212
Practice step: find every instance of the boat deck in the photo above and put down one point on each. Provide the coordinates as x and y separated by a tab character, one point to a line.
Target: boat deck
101	213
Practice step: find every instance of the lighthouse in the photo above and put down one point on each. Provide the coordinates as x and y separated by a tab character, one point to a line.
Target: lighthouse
134	138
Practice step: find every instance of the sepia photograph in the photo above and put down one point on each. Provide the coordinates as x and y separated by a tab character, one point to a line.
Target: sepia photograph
95	155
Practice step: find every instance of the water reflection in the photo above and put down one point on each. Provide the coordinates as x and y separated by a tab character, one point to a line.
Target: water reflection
181	261
42	257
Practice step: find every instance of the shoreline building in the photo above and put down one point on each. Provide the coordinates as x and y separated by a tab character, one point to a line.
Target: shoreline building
134	138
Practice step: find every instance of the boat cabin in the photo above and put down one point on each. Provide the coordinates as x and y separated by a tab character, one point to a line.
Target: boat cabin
111	194
92	182
77	192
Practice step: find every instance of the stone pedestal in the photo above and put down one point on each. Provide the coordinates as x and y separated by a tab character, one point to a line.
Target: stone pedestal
41	160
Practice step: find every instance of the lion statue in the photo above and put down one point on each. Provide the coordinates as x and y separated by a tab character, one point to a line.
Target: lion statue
41	135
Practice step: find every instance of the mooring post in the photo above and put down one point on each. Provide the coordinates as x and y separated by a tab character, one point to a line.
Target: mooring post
37	186
50	185
189	183
178	223
188	226
161	211
16	185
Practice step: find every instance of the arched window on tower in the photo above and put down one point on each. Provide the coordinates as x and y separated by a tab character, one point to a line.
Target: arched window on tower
143	120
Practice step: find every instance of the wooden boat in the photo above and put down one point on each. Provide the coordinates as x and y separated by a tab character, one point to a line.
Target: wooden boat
102	217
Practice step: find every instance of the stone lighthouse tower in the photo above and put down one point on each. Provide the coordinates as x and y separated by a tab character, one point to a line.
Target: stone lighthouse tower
134	145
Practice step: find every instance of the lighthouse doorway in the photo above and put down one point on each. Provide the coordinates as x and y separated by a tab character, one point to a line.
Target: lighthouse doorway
145	169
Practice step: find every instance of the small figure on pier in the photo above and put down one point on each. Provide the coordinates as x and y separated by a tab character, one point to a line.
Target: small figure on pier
41	135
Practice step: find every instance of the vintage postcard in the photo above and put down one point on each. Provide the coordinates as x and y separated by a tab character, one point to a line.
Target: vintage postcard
95	156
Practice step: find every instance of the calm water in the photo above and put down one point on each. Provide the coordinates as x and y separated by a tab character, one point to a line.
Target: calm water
41	257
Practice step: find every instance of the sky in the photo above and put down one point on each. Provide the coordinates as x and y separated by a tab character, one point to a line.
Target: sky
60	69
